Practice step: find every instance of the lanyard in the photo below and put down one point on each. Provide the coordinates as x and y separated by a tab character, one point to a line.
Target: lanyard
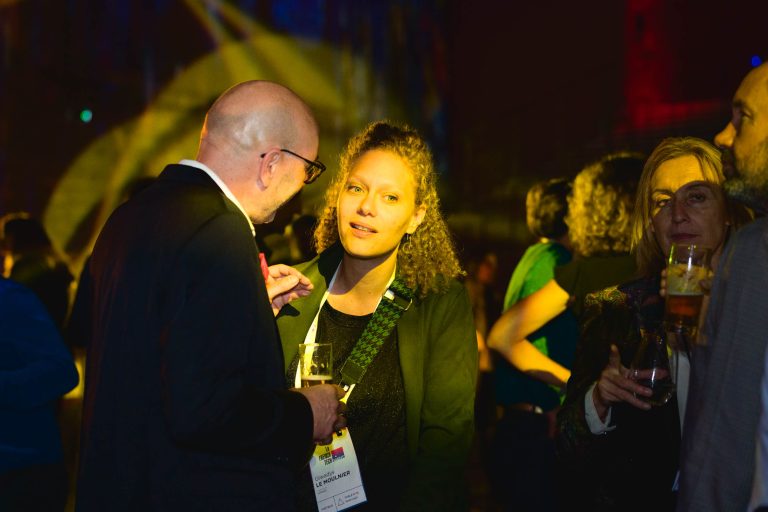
379	327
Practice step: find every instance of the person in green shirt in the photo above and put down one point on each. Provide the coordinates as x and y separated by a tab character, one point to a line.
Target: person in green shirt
598	220
522	429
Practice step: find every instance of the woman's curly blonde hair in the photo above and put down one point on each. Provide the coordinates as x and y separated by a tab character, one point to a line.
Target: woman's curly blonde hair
426	260
600	205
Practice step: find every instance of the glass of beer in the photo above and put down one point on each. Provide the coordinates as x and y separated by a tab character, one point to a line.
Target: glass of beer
688	265
315	364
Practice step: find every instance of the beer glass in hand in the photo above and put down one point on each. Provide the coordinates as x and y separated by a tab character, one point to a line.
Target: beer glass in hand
315	364
688	266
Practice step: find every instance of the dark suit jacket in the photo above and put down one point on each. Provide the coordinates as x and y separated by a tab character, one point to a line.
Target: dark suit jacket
722	423
632	467
185	404
438	359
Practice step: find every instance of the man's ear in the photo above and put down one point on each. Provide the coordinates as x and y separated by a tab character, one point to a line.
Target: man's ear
266	169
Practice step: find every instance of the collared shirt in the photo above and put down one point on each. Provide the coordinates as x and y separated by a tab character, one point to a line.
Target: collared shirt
224	188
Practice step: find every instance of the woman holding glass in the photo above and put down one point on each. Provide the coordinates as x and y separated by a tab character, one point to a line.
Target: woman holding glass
626	450
411	415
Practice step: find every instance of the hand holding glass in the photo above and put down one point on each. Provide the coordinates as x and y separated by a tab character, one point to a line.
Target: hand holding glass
650	367
688	266
315	364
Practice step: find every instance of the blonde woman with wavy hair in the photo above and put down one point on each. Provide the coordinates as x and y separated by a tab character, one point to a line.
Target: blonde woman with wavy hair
411	415
607	430
649	254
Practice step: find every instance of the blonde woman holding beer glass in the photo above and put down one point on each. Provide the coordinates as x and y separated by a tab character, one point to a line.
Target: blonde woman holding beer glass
411	414
626	448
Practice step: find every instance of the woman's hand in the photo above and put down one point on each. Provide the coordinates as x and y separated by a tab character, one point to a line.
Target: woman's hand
615	386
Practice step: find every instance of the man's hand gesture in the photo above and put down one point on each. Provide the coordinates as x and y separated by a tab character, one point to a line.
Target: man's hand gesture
284	284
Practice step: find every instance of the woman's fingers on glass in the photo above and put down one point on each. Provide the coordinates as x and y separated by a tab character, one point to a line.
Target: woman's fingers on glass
627	390
614	358
632	392
632	385
644	374
613	389
614	364
636	402
623	389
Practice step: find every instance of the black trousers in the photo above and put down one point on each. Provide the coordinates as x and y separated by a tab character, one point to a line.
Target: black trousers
522	462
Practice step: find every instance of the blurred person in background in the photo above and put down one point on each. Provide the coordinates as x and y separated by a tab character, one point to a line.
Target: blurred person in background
481	275
599	227
302	229
30	259
35	370
599	210
522	449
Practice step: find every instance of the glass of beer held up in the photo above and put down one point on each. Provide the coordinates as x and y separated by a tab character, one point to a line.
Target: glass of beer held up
688	265
315	364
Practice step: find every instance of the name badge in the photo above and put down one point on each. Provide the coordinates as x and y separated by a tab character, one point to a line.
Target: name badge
336	475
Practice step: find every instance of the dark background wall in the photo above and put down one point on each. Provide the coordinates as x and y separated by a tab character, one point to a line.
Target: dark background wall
506	92
540	88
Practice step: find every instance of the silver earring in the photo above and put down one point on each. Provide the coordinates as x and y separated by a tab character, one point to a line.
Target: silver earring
406	242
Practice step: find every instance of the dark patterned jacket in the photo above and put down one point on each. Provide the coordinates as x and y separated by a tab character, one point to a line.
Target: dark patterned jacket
633	466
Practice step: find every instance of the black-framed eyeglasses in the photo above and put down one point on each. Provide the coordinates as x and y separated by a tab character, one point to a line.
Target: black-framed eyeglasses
314	168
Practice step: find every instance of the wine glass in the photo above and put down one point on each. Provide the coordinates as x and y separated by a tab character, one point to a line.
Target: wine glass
650	366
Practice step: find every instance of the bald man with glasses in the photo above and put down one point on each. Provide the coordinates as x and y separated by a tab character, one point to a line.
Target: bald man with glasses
186	406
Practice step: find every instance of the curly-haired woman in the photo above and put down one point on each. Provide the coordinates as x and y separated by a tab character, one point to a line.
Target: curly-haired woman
411	415
599	210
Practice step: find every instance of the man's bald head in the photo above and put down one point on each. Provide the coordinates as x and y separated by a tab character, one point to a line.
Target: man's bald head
243	140
252	114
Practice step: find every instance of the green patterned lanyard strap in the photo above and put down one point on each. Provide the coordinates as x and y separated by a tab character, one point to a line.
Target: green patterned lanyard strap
396	301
